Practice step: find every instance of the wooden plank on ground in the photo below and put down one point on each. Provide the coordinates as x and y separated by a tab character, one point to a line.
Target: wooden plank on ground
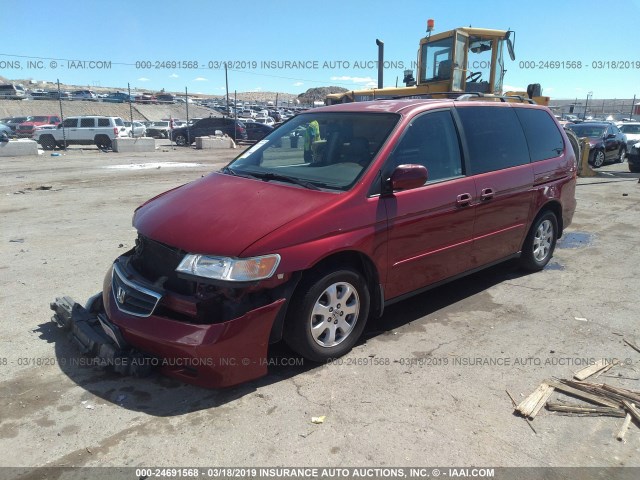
631	408
583	395
585	411
529	404
624	427
590	370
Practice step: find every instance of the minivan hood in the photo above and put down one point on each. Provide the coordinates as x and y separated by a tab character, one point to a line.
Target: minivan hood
223	215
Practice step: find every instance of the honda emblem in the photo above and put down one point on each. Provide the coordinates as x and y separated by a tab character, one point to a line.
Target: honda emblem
121	296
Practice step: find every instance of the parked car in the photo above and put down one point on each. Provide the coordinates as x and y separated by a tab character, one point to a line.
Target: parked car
26	129
138	129
13	122
257	131
166	98
84	95
83	130
265	121
12	91
208	126
118	97
159	129
55	95
146	98
631	130
606	142
633	158
389	205
6	130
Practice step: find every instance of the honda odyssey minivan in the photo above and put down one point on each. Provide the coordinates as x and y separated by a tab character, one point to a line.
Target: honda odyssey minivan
305	241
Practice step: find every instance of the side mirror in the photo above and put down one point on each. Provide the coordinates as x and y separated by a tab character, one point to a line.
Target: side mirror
406	177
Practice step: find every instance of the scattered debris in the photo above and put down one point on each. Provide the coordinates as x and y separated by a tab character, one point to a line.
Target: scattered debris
525	418
16	240
624	428
603	400
531	405
584	410
599	367
319	419
581	319
44	187
632	345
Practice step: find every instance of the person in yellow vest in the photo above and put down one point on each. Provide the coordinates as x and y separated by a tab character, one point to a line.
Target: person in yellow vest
311	134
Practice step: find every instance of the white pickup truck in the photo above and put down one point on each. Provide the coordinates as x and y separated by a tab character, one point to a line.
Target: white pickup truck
85	130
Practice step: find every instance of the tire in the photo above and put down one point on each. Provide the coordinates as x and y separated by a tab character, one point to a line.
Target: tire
598	159
181	140
327	314
540	242
621	155
103	142
47	142
634	168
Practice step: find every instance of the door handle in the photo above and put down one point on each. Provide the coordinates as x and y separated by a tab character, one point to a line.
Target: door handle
463	200
486	194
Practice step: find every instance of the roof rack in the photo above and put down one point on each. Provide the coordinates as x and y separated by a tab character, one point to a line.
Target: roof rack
502	98
460	97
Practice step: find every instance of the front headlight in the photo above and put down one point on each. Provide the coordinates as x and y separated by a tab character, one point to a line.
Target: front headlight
229	269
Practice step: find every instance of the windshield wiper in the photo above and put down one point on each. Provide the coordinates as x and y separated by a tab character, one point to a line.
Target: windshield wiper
277	176
228	171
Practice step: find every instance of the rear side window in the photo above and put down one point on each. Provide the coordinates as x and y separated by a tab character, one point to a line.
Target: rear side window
119	122
87	122
103	122
70	122
543	137
494	137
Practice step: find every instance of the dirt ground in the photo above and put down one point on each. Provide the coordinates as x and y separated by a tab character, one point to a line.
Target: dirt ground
434	396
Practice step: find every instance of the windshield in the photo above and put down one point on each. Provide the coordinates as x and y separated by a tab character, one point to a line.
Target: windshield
40	119
325	150
586	130
630	129
160	124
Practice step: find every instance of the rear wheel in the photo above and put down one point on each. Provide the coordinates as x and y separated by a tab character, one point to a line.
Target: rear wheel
47	142
598	158
540	242
103	142
327	314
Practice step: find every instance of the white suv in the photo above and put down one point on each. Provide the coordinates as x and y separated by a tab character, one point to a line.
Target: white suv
89	130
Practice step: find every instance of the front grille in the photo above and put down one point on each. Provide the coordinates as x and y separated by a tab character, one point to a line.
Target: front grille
157	263
132	298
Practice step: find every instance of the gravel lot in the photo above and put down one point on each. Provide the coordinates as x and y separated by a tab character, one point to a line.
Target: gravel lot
418	390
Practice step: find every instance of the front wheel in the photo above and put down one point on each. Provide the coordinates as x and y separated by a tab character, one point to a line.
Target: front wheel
540	242
598	158
181	140
327	314
621	155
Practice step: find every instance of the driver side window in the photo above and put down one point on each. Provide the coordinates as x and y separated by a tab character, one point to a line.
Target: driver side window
431	140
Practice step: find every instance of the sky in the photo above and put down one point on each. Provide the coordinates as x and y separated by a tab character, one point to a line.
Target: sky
290	46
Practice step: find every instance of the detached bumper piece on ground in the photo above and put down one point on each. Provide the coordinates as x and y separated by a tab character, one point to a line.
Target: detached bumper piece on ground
88	331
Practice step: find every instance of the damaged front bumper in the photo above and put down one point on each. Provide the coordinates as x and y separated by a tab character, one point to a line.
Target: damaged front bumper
209	355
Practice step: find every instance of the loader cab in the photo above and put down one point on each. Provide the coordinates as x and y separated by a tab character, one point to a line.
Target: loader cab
464	60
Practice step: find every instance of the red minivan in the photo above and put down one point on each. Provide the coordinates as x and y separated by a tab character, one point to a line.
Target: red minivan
303	241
